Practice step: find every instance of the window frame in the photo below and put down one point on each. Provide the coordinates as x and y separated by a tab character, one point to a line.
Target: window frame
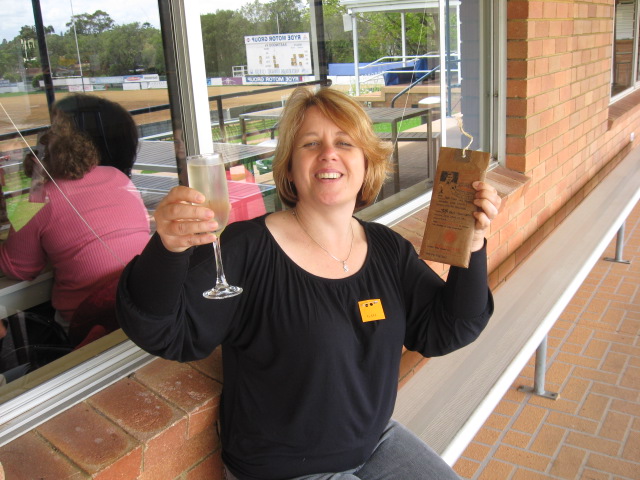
635	55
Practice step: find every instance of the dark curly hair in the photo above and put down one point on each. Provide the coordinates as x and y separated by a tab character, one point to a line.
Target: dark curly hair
110	127
69	153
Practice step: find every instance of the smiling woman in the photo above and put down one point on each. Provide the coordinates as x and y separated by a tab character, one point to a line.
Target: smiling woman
349	119
328	302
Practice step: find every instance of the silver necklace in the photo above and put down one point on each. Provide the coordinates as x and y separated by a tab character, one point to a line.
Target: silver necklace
345	267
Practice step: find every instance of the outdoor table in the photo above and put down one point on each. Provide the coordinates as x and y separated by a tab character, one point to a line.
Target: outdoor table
160	156
19	295
246	197
270	114
394	116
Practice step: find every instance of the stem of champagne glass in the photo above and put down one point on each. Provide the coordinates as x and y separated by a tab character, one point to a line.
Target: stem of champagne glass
220	278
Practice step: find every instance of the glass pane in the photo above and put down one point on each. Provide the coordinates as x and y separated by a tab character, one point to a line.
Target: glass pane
623	46
468	79
254	56
261	46
75	207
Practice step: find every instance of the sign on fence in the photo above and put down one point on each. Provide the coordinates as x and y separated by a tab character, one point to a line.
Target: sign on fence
278	55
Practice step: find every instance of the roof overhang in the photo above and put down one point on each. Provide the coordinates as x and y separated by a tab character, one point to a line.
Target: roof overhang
359	6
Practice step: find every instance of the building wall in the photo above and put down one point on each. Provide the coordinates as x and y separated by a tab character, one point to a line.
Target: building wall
563	136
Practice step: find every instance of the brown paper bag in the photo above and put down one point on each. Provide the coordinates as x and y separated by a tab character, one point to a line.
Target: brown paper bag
450	223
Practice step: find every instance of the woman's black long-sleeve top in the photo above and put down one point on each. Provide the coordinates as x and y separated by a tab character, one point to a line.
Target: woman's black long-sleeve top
310	364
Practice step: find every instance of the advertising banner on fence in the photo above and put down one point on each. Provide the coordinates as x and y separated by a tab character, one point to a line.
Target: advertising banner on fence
272	79
286	54
152	77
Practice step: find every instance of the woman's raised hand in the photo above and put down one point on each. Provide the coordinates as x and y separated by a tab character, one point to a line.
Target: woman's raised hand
488	202
180	223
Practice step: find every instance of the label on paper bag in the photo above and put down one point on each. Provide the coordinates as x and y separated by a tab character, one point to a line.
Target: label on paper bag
450	223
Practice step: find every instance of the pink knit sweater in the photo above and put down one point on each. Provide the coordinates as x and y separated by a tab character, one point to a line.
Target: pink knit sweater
113	229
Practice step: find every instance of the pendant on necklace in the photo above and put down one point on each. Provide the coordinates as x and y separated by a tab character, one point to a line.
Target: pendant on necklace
344	266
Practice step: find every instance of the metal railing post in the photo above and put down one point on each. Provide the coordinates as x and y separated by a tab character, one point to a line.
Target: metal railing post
619	248
540	371
223	133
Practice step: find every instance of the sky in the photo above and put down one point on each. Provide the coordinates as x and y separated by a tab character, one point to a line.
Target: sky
16	13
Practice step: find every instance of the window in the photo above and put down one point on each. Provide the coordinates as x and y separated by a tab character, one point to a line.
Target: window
197	76
625	47
48	55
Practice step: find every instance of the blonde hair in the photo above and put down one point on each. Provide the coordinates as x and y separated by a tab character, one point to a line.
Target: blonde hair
350	117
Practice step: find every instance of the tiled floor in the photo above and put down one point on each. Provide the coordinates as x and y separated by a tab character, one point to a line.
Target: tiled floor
592	432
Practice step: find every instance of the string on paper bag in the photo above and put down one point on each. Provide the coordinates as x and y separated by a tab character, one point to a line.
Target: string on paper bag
459	120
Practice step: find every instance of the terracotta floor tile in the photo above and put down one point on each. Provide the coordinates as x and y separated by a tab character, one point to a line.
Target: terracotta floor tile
594	407
487	436
589	474
622	406
575	389
530	419
593	443
516	439
614	362
466	468
522	474
595	374
548	439
496	470
567	463
526	458
627	469
631	450
476	451
596	349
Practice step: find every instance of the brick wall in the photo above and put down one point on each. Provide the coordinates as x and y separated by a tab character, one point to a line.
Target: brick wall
562	138
561	131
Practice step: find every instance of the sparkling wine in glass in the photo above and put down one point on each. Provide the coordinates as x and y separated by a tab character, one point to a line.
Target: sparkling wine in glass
207	174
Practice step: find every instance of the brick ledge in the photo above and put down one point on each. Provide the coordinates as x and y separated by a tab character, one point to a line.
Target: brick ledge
622	108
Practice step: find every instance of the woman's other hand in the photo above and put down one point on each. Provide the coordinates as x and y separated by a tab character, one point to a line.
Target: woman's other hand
488	202
181	222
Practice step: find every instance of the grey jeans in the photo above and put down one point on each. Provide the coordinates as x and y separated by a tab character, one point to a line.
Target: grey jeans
398	455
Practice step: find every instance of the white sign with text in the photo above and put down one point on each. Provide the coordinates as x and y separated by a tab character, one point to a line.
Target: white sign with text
278	54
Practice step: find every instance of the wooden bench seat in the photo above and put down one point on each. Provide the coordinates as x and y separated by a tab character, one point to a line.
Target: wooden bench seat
448	400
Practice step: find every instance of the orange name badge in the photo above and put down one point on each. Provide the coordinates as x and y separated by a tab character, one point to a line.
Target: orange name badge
371	310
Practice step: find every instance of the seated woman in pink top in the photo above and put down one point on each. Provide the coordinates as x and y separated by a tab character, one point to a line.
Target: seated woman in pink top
92	223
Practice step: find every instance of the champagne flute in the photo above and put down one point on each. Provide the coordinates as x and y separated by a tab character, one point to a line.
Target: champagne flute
207	174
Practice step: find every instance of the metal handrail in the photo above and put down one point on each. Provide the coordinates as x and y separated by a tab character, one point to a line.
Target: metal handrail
156	108
406	89
412	57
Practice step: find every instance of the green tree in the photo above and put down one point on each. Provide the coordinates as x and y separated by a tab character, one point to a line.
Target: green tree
10	56
223	35
131	48
91	23
339	44
283	16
